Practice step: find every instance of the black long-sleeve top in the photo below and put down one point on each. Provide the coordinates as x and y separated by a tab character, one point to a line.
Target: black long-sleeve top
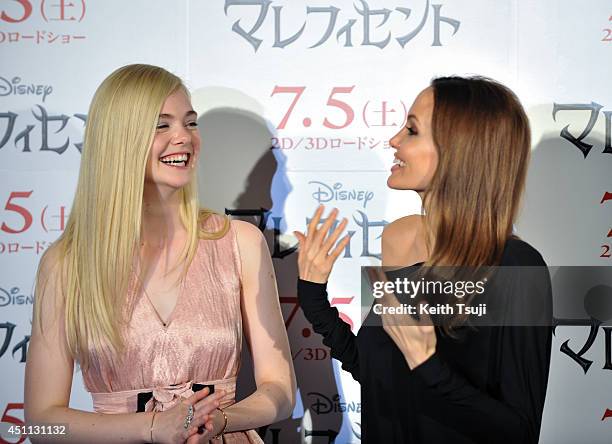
488	386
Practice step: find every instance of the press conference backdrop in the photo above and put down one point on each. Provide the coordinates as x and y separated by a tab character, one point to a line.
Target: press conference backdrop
297	101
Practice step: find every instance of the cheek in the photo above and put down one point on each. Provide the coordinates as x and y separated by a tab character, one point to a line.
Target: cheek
423	161
154	153
158	146
196	142
432	163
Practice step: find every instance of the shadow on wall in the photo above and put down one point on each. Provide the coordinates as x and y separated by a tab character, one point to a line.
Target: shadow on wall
562	215
239	170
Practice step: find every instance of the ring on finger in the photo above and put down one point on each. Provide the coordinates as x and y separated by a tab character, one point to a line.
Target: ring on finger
188	418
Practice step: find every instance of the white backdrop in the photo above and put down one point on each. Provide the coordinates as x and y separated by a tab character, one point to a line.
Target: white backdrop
326	83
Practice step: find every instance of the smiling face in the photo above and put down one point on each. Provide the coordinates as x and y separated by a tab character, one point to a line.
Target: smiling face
416	156
176	144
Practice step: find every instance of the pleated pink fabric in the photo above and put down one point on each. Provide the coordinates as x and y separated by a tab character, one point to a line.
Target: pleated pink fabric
200	344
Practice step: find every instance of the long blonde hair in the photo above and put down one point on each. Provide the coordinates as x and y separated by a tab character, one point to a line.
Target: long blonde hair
98	248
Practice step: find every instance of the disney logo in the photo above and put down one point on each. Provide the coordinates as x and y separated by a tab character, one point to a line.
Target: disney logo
326	193
14	86
12	297
323	404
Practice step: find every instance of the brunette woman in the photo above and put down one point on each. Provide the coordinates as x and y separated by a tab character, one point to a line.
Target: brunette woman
465	149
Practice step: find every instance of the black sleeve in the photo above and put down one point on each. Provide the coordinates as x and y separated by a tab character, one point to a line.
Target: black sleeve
516	414
337	334
512	410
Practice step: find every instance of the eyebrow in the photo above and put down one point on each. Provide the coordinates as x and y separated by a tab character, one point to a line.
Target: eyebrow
412	116
170	116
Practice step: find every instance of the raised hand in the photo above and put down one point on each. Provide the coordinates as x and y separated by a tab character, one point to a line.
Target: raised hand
315	260
415	339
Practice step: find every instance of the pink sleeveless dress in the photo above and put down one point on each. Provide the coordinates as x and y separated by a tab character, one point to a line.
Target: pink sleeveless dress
200	344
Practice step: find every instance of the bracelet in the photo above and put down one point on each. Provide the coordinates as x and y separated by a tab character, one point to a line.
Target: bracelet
220	434
152	421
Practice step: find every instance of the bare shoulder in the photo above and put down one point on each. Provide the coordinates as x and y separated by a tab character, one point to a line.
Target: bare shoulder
403	228
49	278
49	265
257	268
247	234
401	241
210	221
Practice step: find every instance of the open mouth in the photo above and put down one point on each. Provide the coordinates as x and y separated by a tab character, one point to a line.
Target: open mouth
176	160
397	164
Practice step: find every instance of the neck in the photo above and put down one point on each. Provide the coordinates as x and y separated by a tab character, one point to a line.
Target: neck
160	216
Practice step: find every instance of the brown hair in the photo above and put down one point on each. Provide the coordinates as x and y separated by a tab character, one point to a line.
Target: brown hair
482	136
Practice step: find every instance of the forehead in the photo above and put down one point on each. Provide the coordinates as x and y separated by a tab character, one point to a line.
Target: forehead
423	105
177	100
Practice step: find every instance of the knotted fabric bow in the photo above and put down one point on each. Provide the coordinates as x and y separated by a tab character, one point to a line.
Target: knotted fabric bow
159	398
164	398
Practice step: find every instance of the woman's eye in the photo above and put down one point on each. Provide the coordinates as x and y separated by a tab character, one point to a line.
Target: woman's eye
162	125
192	124
411	131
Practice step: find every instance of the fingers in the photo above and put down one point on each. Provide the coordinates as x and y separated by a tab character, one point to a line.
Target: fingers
340	247
316	235
201	433
322	232
319	236
315	260
312	226
203	403
300	237
332	238
201	394
203	425
209	403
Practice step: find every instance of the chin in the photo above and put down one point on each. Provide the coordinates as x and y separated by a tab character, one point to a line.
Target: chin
177	185
395	184
174	182
169	186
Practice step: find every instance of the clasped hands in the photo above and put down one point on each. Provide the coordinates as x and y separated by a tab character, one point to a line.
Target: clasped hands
207	422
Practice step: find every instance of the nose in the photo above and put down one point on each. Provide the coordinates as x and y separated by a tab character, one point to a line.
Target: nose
394	141
181	136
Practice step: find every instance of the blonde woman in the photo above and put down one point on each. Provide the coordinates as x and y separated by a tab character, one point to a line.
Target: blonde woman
149	294
465	149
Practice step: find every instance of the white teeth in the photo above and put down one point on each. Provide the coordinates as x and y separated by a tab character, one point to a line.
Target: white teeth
399	162
176	159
